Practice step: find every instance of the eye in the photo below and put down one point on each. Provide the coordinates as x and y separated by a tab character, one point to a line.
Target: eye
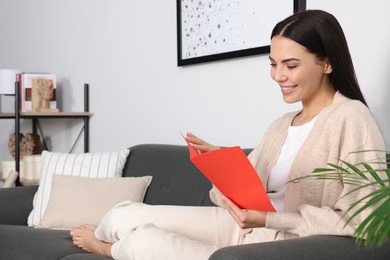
273	64
290	67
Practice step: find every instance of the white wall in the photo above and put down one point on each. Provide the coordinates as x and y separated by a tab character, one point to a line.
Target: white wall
126	51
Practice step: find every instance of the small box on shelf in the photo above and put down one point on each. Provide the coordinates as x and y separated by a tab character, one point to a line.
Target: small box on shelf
30	169
8	166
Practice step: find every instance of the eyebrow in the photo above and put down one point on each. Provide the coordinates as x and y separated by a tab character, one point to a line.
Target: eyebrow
286	60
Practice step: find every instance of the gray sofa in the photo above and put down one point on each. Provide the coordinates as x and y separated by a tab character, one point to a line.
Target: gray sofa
175	181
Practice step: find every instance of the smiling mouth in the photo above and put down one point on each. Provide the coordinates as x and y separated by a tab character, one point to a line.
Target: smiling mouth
286	90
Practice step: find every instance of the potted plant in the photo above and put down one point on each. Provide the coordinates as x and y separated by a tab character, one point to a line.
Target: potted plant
375	229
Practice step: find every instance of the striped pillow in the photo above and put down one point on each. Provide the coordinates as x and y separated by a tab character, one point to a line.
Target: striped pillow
93	165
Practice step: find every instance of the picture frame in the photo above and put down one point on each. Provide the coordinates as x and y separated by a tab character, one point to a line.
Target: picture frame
211	30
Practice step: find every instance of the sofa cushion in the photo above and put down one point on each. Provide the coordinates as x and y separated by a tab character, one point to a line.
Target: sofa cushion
95	165
27	243
305	248
176	181
79	200
16	204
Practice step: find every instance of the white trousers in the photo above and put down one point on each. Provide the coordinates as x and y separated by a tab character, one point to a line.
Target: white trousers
140	231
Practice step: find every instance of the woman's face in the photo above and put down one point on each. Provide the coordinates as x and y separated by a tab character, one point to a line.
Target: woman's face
299	73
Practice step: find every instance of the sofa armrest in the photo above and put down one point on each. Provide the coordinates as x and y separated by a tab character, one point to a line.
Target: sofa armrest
16	204
314	247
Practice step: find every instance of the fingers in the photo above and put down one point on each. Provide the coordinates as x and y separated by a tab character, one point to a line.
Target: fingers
245	218
75	237
200	144
233	208
194	139
197	143
235	211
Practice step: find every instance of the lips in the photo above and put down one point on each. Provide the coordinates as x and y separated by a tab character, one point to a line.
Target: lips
287	90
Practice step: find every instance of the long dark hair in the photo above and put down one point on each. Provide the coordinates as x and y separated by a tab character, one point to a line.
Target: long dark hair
322	35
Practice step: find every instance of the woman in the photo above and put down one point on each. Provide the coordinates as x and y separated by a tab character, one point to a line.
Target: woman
311	63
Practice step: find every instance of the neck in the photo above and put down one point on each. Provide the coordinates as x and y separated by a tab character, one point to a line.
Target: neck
311	108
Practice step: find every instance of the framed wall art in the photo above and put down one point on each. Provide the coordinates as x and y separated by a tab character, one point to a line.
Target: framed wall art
210	30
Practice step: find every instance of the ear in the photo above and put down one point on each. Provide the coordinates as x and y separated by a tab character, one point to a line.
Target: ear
327	66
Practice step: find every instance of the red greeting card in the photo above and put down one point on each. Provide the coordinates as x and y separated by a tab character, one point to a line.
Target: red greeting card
232	173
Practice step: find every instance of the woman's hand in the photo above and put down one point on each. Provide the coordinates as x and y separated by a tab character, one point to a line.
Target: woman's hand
245	218
200	145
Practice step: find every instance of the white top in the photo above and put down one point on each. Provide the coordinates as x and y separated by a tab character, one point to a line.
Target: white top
296	136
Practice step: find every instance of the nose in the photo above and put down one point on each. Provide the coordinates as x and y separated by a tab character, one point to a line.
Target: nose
278	74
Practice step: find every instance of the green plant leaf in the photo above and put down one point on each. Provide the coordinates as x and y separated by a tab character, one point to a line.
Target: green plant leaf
374	229
355	169
376	197
374	174
339	167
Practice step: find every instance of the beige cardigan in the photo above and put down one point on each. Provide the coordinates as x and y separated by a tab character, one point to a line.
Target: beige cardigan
313	206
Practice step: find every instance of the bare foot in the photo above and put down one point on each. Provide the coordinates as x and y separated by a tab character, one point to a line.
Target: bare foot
84	238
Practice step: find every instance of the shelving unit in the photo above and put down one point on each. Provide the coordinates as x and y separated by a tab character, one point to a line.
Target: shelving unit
35	116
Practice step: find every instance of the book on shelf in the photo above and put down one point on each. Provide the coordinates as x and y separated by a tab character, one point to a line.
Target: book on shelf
38	92
230	171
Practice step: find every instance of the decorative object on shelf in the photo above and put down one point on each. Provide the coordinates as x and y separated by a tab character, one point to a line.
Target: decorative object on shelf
29	144
11	144
42	95
37	92
8	167
7	83
32	168
29	170
11	179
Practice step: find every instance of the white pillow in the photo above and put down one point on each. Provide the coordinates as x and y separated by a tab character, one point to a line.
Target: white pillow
75	201
94	165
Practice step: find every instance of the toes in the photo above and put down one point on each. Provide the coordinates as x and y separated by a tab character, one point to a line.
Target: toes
74	233
88	227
